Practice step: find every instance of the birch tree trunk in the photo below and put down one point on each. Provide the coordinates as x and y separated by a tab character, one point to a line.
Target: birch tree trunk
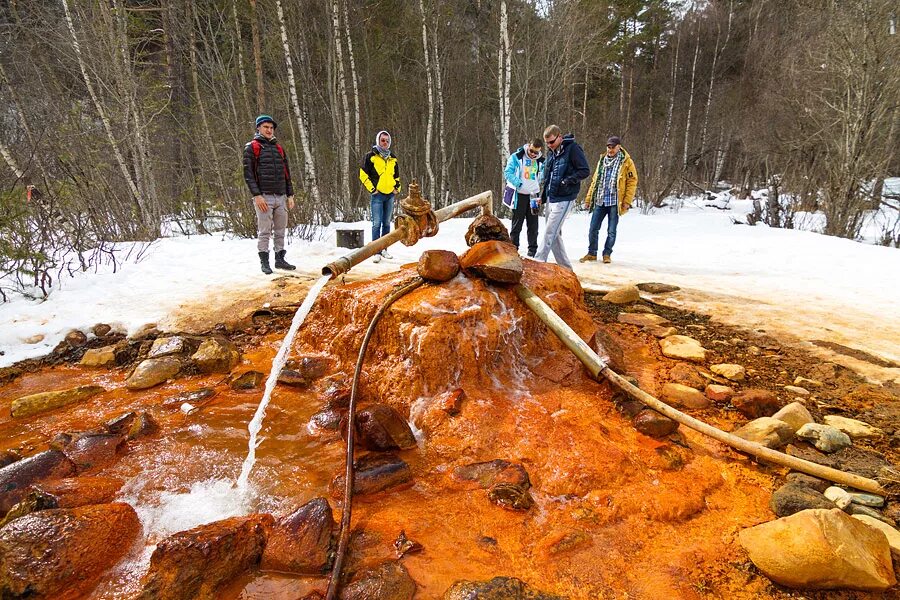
712	77
687	125
353	77
143	210
504	68
240	54
667	132
441	130
257	58
344	134
429	169
4	152
309	165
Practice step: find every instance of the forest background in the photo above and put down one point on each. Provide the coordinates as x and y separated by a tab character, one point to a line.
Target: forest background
129	116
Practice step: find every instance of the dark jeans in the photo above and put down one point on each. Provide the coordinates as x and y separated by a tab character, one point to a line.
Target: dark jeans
594	232
522	214
382	206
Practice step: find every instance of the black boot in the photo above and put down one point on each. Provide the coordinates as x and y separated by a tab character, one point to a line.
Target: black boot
264	263
280	263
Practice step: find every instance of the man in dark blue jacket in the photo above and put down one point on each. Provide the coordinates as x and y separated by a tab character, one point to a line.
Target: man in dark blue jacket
564	169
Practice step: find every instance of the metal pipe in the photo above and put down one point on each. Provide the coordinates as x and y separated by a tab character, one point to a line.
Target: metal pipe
597	367
484	200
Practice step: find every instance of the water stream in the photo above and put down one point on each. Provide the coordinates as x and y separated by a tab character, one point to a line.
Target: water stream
277	364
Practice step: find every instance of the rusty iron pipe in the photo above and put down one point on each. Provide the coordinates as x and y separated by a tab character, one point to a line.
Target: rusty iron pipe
484	200
598	368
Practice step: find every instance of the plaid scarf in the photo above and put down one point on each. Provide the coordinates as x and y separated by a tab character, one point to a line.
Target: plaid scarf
609	171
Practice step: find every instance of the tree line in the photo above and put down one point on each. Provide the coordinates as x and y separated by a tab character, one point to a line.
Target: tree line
130	115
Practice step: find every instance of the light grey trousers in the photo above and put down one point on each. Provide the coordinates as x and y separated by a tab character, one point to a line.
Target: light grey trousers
556	216
273	221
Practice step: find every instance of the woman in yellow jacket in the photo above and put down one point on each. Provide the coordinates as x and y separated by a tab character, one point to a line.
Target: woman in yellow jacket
610	194
380	175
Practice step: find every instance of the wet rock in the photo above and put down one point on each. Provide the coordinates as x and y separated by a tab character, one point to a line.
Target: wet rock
797	391
820	485
311	366
216	355
147	331
374	472
195	563
153	371
641	319
561	541
487	474
893	536
380	427
719	393
120	424
824	437
438	265
657	288
51	553
293	378
337	394
511	496
166	346
99	357
498	588
858	509
729	371
300	542
683	396
685	374
866	499
640	308
387	581
857	430
486	228
403	545
143	426
326	420
755	403
71	492
682	347
839	496
628	405
495	261
767	431
794	414
34	501
820	549
451	401
101	329
16	478
794	497
656	425
803	381
248	380
8	457
76	338
660	331
195	397
623	295
44	401
95	450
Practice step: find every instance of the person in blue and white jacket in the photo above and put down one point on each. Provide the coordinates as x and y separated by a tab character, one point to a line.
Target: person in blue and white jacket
523	174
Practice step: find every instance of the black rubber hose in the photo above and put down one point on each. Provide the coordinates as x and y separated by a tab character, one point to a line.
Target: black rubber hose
344	536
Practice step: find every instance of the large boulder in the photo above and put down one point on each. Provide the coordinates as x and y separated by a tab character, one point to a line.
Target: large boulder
44	401
95	450
62	552
153	371
821	549
216	355
438	265
195	563
387	581
300	542
70	492
16	478
495	261
682	347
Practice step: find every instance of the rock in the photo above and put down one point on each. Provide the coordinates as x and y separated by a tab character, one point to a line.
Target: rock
820	549
403	545
488	474
866	499
495	261
101	329
794	414
57	552
94	450
562	541
640	308
76	338
153	371
729	371
820	485
755	403
498	588
145	331
311	366
374	472
682	347
719	393
513	497
16	478
195	563
857	430
657	288
686	374
660	331
301	541
438	265
859	509
486	228
216	355
451	401
293	378
825	437
44	401
144	425
99	357
71	492
623	295
803	381
8	457
196	397
326	420
248	380
337	394
683	396
380	427
120	424
839	496
34	339
387	581
797	391
892	535
767	431
641	319
34	501
165	346
656	425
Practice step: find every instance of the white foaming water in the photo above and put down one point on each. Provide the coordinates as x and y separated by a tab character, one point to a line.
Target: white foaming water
277	364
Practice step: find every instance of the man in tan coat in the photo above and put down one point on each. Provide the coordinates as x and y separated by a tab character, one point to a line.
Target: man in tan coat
610	195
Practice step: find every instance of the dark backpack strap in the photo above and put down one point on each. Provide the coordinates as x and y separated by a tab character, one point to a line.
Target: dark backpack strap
284	167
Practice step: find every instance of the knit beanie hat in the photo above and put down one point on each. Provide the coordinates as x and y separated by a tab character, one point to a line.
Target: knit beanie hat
265	119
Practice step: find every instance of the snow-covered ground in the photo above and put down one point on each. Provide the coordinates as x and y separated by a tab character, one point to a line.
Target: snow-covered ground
793	283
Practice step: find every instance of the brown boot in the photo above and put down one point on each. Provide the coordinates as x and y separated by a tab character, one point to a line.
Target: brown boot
587	258
606	258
